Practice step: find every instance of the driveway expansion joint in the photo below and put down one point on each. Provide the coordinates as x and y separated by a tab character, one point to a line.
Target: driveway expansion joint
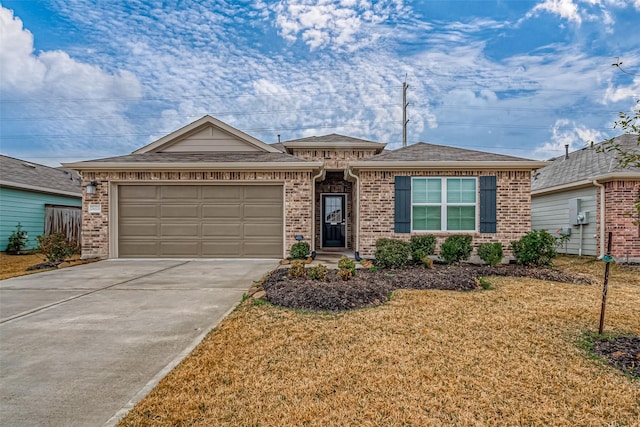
75	297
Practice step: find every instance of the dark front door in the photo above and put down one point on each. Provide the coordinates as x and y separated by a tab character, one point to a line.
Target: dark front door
333	221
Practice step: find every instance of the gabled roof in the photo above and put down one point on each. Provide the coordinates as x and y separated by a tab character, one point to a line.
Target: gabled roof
333	140
200	124
24	175
423	155
210	160
585	165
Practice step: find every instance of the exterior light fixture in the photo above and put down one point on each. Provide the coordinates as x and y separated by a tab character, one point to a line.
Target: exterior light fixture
91	187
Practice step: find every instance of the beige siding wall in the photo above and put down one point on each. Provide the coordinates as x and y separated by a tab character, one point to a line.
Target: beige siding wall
96	227
377	207
550	212
210	139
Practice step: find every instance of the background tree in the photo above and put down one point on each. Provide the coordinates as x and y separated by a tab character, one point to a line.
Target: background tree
629	124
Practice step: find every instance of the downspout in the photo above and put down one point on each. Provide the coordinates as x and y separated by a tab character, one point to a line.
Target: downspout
313	211
602	214
357	222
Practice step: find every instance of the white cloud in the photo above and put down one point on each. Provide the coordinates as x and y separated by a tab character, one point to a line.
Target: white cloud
66	97
336	24
566	132
566	9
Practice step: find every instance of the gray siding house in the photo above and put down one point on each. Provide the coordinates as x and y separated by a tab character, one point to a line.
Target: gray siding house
586	194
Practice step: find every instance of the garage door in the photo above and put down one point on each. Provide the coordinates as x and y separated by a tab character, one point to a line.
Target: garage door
200	221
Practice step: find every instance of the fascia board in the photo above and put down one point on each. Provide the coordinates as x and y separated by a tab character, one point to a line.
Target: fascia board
38	189
439	165
193	166
198	123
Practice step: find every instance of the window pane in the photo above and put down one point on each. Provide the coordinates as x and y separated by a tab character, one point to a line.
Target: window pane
426	190
461	190
426	218
461	218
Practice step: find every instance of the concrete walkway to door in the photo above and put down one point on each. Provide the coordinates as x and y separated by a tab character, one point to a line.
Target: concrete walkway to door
79	346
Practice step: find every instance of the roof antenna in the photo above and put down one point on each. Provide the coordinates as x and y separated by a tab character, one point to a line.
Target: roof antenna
566	151
278	138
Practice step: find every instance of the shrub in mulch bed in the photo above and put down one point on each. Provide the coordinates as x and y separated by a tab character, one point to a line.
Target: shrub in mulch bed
369	288
621	352
334	294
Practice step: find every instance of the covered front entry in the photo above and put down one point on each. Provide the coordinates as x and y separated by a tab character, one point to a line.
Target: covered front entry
200	221
333	221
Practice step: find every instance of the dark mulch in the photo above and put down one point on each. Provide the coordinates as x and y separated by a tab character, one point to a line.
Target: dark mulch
44	265
369	288
621	352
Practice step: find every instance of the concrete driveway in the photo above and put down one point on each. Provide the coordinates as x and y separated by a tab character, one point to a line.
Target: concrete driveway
79	346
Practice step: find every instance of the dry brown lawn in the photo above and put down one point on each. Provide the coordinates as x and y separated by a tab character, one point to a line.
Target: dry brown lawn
508	356
16	265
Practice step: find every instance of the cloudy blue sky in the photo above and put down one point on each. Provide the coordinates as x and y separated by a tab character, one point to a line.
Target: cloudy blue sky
83	79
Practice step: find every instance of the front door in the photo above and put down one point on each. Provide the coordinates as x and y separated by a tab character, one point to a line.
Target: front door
333	221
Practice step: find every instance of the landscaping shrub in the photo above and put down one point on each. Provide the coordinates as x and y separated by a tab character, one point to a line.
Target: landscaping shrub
319	272
55	247
299	250
535	248
422	245
345	274
297	270
456	248
392	253
347	264
490	253
17	240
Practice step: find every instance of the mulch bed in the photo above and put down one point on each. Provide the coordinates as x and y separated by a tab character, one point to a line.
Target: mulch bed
370	288
621	352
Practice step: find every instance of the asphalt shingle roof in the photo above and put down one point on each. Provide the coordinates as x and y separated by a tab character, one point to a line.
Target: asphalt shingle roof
333	137
583	164
208	156
16	172
421	151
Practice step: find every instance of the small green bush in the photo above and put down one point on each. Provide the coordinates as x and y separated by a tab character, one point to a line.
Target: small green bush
319	272
299	250
17	240
347	264
491	253
391	253
456	248
55	247
297	270
422	245
535	248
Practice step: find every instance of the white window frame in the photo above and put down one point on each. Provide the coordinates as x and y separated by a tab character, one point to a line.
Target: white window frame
444	204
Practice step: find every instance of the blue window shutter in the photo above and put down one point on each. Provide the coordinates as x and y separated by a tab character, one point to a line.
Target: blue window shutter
402	219
488	204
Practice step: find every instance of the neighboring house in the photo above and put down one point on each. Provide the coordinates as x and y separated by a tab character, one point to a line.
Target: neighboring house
37	197
209	190
580	189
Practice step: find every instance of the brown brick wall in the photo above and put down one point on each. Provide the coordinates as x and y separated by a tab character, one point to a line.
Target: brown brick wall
333	159
95	227
377	207
620	198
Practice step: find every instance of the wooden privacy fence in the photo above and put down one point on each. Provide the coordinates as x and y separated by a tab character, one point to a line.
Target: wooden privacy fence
63	219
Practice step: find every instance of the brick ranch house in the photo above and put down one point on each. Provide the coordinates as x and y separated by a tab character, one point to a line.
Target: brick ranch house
209	190
592	184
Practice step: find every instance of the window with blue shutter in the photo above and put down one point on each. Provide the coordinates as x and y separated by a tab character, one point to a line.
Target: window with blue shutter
402	205
488	203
